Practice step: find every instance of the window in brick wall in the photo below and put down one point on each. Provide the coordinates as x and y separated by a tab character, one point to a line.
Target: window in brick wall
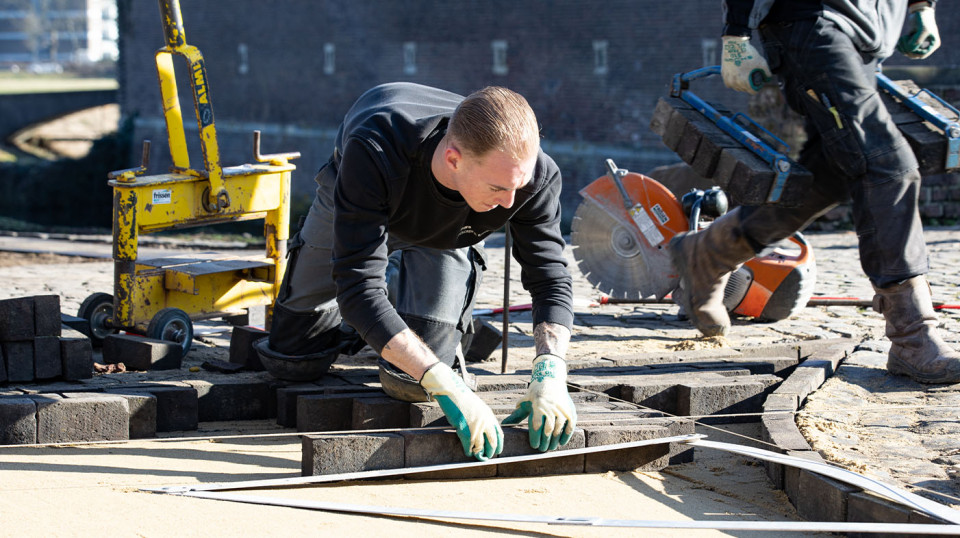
600	57
709	48
243	66
499	47
410	58
329	55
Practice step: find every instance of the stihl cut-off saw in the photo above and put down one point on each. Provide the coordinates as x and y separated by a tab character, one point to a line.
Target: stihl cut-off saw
625	222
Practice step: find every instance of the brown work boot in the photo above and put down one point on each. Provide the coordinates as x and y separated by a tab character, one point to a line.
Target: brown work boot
917	350
704	260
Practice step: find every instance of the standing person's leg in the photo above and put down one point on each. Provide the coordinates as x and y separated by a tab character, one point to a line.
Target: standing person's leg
836	88
305	336
436	290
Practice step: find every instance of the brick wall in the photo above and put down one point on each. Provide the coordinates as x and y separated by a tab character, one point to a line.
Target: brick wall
266	61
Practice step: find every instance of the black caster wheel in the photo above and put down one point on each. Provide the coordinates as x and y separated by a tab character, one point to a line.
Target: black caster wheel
98	310
172	325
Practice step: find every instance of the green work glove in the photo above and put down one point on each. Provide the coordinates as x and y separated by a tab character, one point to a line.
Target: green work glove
553	416
743	68
922	37
476	425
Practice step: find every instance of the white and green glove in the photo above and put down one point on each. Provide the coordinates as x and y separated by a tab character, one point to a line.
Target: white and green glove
743	68
922	37
553	416
477	427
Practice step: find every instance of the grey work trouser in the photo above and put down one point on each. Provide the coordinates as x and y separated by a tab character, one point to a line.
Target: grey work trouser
857	152
432	289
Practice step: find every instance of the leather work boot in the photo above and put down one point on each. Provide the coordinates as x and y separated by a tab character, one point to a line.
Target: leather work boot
917	350
704	260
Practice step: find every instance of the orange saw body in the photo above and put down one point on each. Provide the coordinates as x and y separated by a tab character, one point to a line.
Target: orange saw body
620	235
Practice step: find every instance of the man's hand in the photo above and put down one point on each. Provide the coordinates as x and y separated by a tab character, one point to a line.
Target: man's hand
922	37
553	416
743	67
476	425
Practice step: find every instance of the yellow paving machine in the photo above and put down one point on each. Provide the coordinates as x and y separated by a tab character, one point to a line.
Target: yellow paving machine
160	298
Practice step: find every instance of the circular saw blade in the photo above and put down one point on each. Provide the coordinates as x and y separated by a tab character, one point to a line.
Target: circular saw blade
614	259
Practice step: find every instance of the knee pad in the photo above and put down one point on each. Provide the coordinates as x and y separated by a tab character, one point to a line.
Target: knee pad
294	367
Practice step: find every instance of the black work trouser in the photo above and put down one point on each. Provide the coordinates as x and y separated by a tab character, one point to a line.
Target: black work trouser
854	150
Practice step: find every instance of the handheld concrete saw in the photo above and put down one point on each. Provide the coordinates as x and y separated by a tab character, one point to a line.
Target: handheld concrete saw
625	222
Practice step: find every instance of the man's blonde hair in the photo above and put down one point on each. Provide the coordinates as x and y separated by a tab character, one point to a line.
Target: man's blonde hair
495	118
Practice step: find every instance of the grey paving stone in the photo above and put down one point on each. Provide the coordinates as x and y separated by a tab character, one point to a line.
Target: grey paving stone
139	353
46	312
96	417
229	398
655	393
242	351
867	507
19	357
821	498
287	402
46	357
516	442
424	414
18	420
487	383
438	447
736	396
782	431
646	458
16	319
325	412
76	355
143	412
177	406
789	476
379	414
347	453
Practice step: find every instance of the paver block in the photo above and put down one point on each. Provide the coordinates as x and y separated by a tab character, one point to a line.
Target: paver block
645	458
679	452
781	402
653	393
16	319
423	414
790	475
95	417
19	357
139	353
348	453
18	421
484	340
46	313
242	351
516	442
325	412
143	412
287	402
870	508
46	357
782	431
438	447
737	396
821	498
3	367
177	405
76	355
233	399
380	413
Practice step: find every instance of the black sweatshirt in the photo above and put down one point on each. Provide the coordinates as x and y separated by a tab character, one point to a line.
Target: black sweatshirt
385	186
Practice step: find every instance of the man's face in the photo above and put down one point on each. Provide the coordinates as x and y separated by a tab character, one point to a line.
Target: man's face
492	180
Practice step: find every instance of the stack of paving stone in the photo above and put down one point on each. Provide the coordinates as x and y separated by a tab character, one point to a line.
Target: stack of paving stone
34	346
713	154
929	143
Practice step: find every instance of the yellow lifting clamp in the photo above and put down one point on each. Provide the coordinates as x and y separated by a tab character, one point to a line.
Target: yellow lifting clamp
160	298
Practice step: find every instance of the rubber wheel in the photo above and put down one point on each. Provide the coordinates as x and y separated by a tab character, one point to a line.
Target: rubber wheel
172	325
98	310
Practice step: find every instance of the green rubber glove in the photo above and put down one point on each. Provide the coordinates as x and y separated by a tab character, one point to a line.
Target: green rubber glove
553	417
922	37
742	67
474	421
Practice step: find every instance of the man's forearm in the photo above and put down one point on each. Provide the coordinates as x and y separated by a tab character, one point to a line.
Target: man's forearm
407	352
551	338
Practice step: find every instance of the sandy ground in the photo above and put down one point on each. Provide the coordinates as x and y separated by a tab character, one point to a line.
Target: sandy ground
95	489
